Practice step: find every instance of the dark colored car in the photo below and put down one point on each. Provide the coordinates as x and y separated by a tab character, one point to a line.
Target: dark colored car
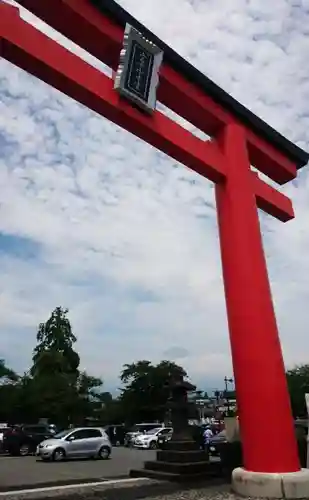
198	435
163	439
23	439
116	434
301	430
214	443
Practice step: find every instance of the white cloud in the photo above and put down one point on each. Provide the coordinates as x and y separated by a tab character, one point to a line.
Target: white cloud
124	236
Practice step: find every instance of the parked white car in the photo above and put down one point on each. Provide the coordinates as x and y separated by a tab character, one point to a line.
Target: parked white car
139	429
84	442
3	428
150	438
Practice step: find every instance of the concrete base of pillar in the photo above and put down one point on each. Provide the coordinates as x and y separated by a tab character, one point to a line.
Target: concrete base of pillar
292	485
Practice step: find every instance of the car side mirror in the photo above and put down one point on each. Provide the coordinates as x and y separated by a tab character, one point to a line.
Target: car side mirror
70	438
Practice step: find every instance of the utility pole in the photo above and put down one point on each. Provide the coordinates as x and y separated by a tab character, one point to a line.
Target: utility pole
227	381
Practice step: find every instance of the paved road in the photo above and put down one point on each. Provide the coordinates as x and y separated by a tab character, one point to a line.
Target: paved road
22	471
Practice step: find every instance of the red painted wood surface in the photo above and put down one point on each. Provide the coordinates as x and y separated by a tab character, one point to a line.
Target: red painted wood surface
258	366
34	52
263	402
100	36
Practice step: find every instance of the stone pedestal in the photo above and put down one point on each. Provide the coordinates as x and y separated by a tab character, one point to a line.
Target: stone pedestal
181	460
289	485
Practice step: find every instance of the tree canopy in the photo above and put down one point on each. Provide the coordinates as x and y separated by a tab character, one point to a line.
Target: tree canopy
6	374
56	388
54	351
144	394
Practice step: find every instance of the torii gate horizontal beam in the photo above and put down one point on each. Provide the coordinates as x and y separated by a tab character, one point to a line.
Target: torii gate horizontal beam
33	51
82	23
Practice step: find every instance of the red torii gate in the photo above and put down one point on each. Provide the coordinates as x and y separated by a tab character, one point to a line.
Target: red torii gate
239	139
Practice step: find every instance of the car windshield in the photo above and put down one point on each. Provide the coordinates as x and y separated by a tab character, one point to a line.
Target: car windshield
62	434
153	431
137	428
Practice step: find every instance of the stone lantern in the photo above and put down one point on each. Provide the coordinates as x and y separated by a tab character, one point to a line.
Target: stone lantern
180	407
182	460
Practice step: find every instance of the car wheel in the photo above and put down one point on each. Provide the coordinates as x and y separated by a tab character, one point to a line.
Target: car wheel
24	450
153	445
104	453
58	455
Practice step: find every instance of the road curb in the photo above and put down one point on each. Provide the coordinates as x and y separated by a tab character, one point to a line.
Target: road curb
59	483
76	488
129	489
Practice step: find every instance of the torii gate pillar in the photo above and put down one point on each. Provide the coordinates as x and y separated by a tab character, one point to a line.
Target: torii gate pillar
262	395
259	372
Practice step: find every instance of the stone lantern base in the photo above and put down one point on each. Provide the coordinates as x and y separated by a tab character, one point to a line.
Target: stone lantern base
180	461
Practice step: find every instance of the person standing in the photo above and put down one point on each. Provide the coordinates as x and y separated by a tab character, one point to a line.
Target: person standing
208	434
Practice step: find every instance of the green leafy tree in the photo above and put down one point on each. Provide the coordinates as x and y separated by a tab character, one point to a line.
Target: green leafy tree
54	373
59	390
54	352
6	374
111	411
24	407
144	395
298	384
88	391
54	387
8	391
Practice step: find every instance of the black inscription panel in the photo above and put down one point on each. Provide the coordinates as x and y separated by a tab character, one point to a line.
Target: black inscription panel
139	72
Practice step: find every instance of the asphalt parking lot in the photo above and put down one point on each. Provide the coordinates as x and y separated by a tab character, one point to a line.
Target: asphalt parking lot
23	472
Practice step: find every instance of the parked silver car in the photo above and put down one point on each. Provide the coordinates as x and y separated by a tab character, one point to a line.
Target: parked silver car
83	442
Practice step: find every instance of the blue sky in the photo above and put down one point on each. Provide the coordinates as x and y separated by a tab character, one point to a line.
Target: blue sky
93	219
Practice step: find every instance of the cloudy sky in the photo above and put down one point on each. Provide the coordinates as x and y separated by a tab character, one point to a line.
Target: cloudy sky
95	220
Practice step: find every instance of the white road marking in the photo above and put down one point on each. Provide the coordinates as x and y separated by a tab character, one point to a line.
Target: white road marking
72	486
